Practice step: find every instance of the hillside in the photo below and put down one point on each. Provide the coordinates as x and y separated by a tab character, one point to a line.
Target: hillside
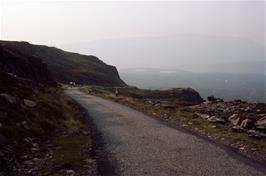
28	67
67	66
39	125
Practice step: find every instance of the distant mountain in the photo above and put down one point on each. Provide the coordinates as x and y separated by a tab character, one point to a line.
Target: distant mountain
64	66
197	53
249	87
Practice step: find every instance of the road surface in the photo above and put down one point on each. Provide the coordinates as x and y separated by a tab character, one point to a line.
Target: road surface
142	145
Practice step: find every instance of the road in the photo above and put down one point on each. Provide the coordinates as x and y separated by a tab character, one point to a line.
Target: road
142	145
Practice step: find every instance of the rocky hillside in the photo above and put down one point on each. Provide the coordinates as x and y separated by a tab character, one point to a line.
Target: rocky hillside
39	125
67	66
242	117
29	67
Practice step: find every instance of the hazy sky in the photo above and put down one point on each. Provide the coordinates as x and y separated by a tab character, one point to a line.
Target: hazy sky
56	23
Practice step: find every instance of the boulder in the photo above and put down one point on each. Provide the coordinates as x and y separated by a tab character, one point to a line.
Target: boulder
261	123
70	172
25	125
204	116
215	119
237	129
247	124
256	134
11	99
30	103
234	119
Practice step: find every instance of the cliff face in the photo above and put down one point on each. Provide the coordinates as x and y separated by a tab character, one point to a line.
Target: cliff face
67	66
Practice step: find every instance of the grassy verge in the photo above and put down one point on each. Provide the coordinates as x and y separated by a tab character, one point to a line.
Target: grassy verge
71	144
180	116
51	138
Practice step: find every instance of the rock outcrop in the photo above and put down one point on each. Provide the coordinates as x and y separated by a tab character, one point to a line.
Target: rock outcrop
182	94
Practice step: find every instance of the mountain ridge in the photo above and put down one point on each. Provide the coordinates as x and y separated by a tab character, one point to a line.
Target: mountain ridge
67	66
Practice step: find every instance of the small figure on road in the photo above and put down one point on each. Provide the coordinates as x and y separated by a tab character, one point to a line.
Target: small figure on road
72	84
116	92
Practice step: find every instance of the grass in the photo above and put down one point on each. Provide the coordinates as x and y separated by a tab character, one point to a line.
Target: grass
57	119
70	142
70	151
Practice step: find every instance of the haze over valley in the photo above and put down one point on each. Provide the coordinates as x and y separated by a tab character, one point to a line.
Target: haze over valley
226	67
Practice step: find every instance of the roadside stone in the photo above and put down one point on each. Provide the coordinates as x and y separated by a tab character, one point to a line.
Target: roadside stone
234	119
256	134
85	133
28	162
241	148
248	109
215	119
35	145
237	129
11	99
34	149
30	103
35	159
247	124
204	116
70	172
25	125
261	123
157	104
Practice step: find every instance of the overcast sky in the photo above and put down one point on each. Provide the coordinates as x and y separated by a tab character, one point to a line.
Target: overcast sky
56	23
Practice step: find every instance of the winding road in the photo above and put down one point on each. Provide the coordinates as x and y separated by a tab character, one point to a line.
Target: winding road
142	145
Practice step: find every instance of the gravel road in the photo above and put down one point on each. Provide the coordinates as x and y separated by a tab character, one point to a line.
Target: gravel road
142	145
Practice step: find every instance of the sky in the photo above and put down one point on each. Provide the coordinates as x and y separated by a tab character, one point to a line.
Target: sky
65	22
145	33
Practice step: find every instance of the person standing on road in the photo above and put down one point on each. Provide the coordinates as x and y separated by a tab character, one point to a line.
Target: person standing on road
116	92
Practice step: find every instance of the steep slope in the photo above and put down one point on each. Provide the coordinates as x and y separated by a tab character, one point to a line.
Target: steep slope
35	117
67	66
24	112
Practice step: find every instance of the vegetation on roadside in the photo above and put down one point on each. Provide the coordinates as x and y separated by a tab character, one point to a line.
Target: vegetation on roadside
70	143
49	136
57	125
